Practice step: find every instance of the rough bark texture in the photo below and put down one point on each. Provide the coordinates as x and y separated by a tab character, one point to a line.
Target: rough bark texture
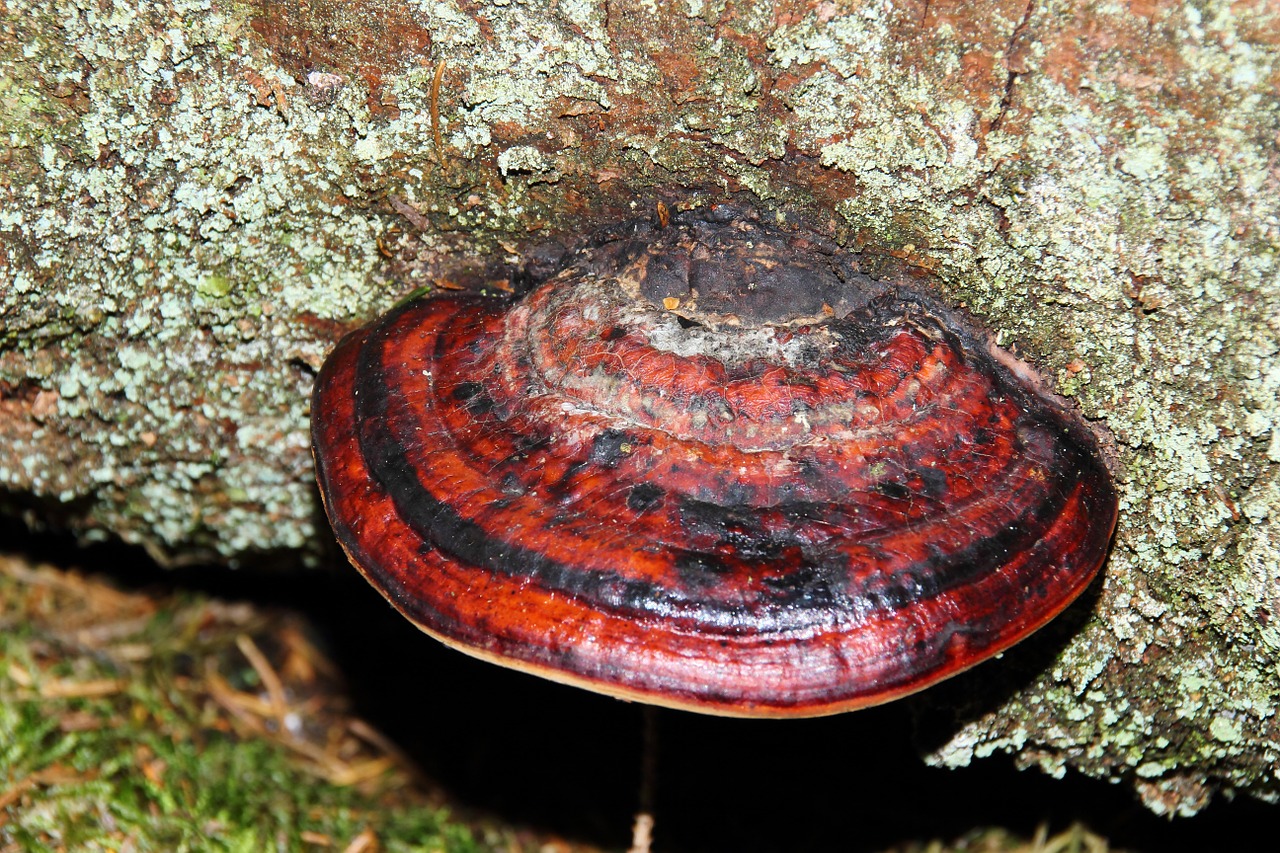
199	198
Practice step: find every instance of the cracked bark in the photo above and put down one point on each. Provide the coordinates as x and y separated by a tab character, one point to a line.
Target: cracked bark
1014	62
199	200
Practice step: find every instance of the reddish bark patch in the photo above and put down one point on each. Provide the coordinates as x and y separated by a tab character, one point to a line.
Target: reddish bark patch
366	40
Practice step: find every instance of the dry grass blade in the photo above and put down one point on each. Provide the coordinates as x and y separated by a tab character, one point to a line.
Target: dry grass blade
365	842
270	680
66	688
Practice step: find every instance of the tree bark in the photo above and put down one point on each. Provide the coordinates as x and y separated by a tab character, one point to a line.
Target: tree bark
199	198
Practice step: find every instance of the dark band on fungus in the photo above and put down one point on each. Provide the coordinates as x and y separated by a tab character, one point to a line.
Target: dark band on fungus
800	589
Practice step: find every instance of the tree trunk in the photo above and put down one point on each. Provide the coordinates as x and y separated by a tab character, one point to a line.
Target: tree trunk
199	198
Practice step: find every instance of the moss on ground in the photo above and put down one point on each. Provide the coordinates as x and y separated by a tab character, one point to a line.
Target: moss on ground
131	721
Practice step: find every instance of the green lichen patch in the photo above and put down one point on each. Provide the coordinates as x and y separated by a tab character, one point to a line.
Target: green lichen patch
1076	839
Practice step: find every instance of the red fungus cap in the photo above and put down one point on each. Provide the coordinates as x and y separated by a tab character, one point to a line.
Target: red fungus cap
713	466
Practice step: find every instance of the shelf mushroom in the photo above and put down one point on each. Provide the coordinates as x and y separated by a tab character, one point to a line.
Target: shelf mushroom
712	464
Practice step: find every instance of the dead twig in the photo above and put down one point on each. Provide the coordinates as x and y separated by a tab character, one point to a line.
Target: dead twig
435	111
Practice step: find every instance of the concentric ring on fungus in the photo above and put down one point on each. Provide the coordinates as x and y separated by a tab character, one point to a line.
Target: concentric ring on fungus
712	466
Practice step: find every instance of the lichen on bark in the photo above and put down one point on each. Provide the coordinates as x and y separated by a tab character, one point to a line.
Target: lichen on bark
198	200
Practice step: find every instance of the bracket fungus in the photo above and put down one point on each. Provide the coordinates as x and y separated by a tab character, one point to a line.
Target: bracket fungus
710	464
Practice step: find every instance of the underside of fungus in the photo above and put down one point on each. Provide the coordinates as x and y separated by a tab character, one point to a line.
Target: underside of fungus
711	465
